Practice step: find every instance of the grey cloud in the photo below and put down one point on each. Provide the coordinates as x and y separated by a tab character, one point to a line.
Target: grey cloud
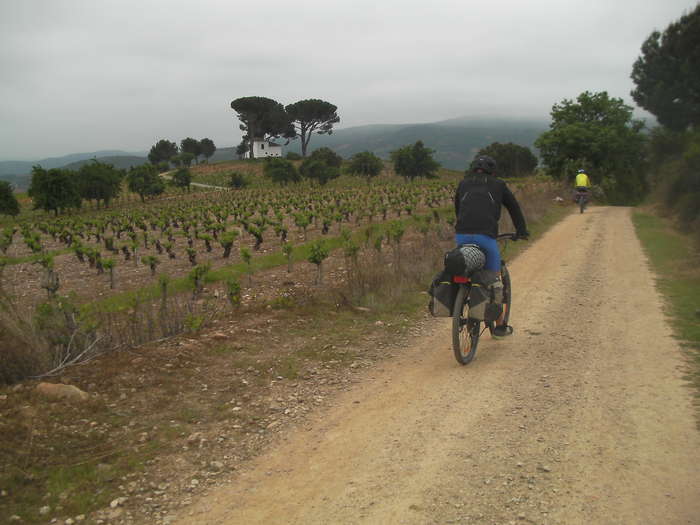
80	75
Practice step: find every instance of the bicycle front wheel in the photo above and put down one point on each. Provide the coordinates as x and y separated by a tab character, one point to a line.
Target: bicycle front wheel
465	331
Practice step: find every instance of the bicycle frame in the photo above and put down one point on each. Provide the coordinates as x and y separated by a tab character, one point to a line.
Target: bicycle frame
466	331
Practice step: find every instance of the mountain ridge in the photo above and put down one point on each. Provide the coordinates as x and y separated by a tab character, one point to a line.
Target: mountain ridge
455	142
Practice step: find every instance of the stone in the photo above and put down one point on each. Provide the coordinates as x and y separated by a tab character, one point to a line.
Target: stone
194	437
61	391
44	510
118	502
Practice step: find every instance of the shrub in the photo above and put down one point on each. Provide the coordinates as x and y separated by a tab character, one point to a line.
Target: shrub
318	170
327	156
365	164
237	180
281	171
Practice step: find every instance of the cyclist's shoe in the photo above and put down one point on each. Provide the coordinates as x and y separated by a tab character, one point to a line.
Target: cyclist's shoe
502	330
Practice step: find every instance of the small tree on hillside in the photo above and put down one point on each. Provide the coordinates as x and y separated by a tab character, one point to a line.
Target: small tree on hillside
99	181
365	164
54	190
242	148
312	115
512	160
183	159
191	146
145	181
207	148
8	202
182	179
162	151
414	161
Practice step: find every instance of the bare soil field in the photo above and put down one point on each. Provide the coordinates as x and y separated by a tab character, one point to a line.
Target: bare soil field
581	417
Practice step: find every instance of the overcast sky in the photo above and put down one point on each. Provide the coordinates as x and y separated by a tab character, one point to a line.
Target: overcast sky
85	75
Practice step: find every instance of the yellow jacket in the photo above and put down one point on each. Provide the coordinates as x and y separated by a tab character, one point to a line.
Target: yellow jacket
582	180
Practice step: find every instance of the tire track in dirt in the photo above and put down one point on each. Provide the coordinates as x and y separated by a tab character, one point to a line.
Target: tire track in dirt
581	417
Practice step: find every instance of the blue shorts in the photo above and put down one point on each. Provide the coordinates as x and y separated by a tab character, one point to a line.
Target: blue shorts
486	243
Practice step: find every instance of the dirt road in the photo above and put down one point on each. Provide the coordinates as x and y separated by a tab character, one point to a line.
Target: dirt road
581	417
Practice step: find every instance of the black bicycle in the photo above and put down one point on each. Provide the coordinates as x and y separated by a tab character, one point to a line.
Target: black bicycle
465	331
582	199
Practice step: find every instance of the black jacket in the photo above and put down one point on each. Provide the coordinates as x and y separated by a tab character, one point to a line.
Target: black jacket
478	205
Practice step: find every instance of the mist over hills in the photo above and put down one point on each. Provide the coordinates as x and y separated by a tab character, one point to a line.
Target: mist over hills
17	172
118	161
455	142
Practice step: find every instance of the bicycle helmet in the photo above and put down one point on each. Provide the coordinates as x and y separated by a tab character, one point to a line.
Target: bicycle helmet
483	164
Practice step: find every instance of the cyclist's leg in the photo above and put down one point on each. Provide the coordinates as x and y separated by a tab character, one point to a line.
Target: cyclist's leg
493	266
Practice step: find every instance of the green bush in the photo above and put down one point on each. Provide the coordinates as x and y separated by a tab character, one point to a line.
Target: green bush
238	180
318	170
281	171
327	156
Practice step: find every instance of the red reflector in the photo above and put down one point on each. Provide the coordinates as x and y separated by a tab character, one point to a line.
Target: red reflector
460	279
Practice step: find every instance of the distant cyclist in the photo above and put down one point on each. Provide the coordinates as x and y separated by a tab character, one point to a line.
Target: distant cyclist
582	185
478	202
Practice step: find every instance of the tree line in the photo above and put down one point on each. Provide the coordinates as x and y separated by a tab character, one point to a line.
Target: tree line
57	190
410	162
165	153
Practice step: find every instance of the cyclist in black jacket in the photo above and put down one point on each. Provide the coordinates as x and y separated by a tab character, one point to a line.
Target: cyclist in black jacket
478	202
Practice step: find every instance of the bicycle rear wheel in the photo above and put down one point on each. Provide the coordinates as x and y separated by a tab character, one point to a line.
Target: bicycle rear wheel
465	331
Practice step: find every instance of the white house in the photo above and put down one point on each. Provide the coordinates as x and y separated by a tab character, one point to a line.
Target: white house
263	148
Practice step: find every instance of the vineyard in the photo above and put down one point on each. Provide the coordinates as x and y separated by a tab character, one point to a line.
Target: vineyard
138	272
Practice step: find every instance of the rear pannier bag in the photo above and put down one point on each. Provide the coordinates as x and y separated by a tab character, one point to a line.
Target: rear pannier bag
442	295
464	260
485	296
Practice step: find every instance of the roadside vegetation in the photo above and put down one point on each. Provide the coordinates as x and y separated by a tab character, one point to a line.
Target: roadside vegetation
667	75
675	257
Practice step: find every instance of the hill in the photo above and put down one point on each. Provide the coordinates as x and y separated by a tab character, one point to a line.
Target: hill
17	171
455	141
122	162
